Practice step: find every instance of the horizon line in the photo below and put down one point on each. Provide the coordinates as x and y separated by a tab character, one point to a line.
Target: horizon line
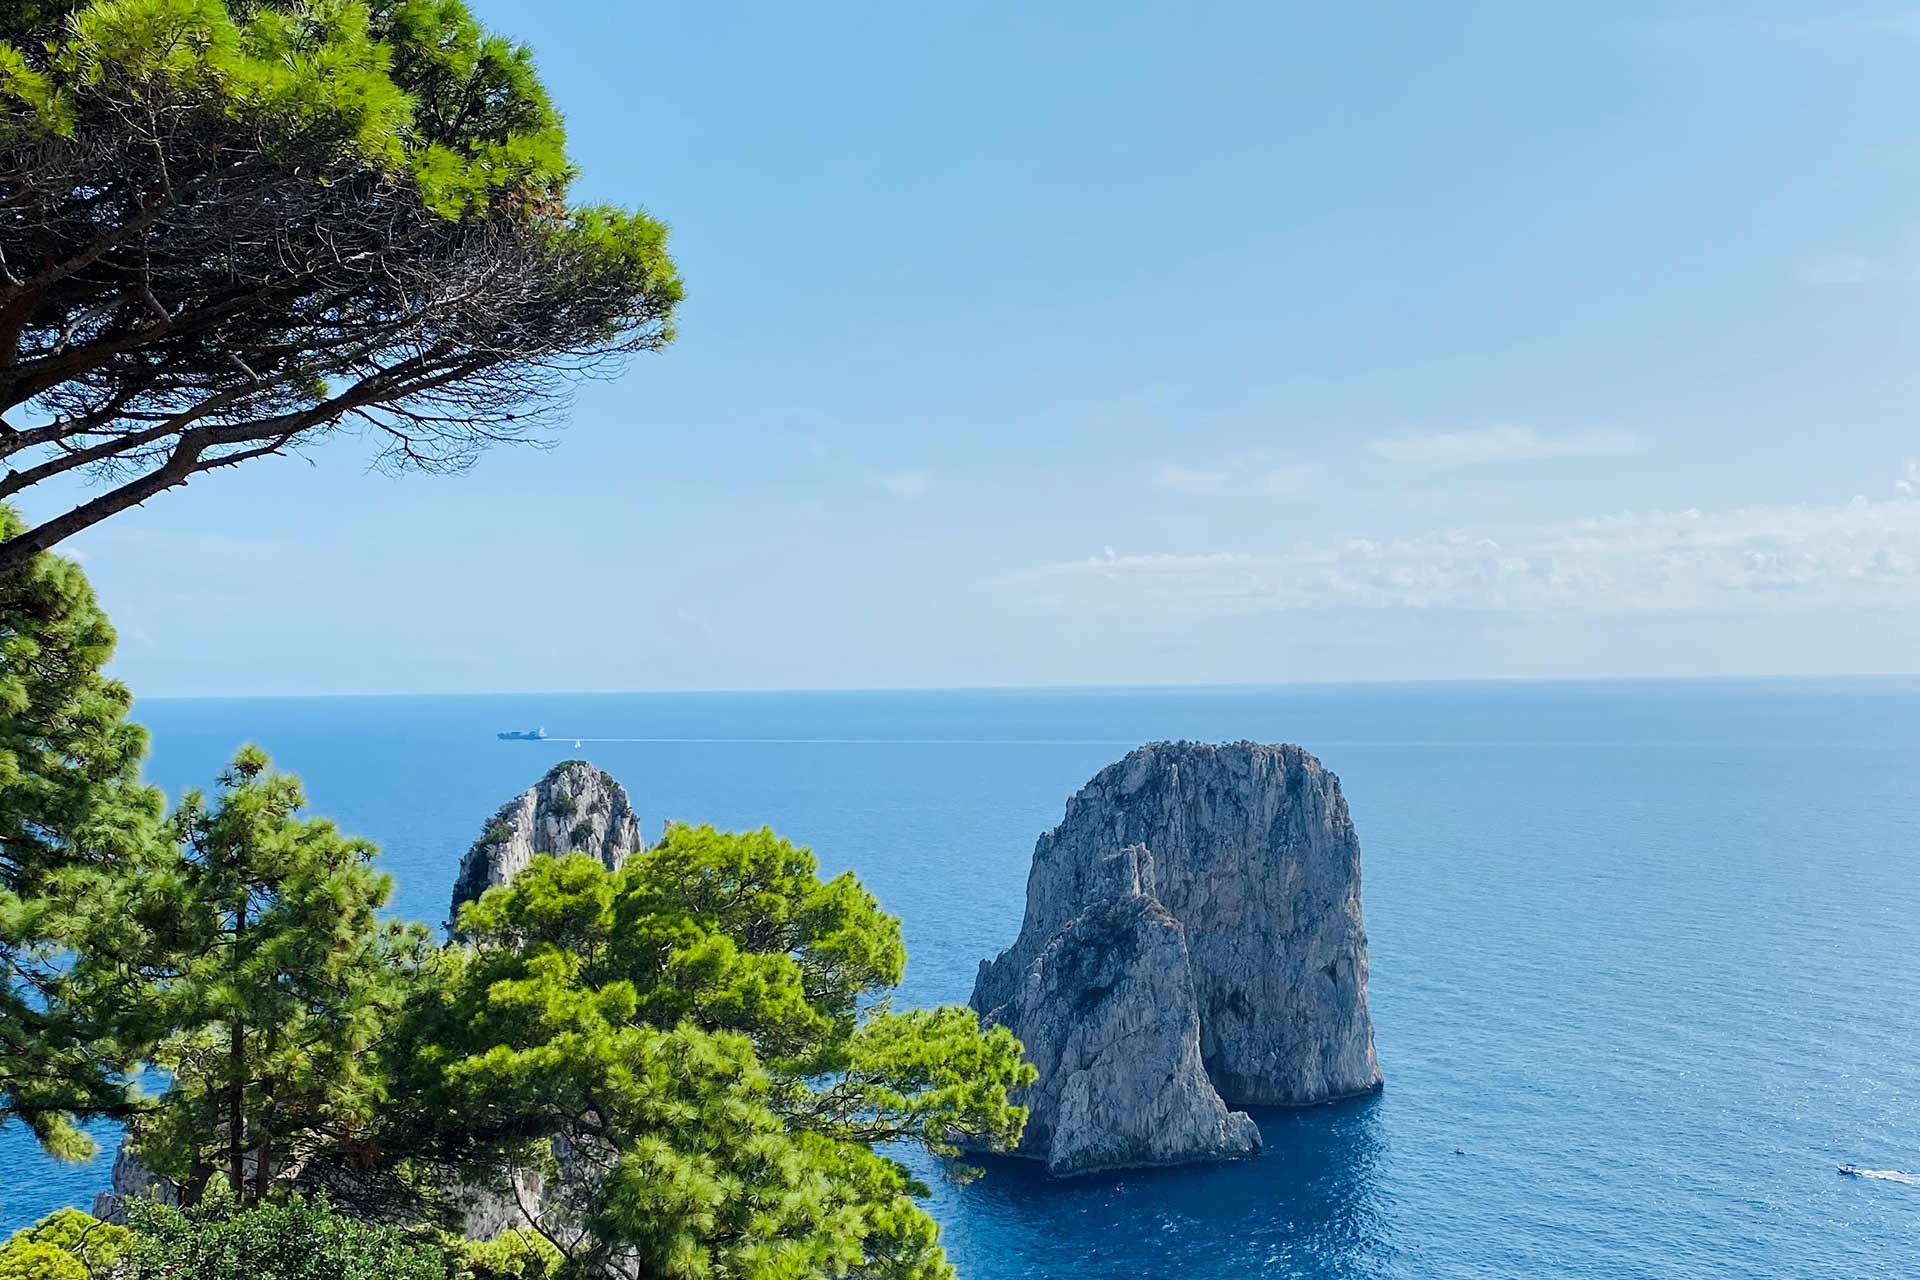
1142	687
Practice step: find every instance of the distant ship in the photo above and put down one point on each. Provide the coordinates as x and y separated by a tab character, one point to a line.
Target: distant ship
522	735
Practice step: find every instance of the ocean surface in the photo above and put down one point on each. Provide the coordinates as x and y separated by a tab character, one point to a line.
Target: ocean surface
1645	956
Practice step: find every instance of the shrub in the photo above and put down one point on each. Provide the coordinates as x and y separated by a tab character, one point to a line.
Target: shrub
291	1239
65	1245
514	1255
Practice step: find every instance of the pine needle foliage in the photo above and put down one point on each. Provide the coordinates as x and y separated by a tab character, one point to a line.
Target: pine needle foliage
698	1056
233	228
75	821
278	984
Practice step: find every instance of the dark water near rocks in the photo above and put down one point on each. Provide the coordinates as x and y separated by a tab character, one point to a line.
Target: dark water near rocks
1646	957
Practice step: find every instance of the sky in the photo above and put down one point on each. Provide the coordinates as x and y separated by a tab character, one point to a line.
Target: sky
1119	343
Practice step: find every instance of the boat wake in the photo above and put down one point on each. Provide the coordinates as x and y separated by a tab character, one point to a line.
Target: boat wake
1882	1175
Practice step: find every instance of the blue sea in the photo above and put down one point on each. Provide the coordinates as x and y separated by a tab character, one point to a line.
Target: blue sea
1645	956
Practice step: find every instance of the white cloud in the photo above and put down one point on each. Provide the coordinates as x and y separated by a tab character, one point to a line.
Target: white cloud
1857	554
905	484
1496	444
1909	482
1253	473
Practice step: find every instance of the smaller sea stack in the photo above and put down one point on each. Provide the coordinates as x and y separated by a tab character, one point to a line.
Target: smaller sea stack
575	808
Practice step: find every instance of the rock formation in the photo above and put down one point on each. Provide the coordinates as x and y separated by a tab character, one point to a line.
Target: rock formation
1192	941
1105	1007
131	1179
574	809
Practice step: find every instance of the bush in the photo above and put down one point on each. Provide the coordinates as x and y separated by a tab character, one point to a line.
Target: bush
65	1245
290	1239
515	1255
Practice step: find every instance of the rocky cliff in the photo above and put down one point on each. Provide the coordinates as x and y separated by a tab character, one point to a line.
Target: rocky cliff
574	809
1192	941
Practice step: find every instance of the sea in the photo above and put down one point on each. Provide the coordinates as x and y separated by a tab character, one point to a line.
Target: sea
1645	956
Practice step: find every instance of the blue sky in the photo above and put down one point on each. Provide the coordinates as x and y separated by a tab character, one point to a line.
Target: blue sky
1097	343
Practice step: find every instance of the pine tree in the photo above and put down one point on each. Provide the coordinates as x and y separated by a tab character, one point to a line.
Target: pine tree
698	1054
76	823
233	228
282	981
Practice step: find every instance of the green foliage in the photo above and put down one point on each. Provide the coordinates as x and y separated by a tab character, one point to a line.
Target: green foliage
74	818
515	1254
34	1260
70	788
482	120
696	1053
292	1238
282	982
286	1239
413	87
65	1245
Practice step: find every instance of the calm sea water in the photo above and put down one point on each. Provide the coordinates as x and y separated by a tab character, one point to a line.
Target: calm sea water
1646	957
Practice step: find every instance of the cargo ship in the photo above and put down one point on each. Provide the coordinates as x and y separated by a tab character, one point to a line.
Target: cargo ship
522	735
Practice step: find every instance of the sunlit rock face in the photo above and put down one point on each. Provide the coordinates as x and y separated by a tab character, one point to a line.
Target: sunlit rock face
131	1179
574	809
1192	942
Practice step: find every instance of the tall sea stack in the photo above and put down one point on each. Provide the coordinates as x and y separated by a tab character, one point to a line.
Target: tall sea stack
575	808
1192	942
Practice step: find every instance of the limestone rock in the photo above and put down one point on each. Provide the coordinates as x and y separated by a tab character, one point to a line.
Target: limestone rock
1247	928
574	809
1107	1013
131	1179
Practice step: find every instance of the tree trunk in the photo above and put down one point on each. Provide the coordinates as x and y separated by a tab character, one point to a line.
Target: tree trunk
262	1166
263	1140
237	1069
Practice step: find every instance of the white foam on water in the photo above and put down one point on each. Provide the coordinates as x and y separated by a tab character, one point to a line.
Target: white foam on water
1884	1175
